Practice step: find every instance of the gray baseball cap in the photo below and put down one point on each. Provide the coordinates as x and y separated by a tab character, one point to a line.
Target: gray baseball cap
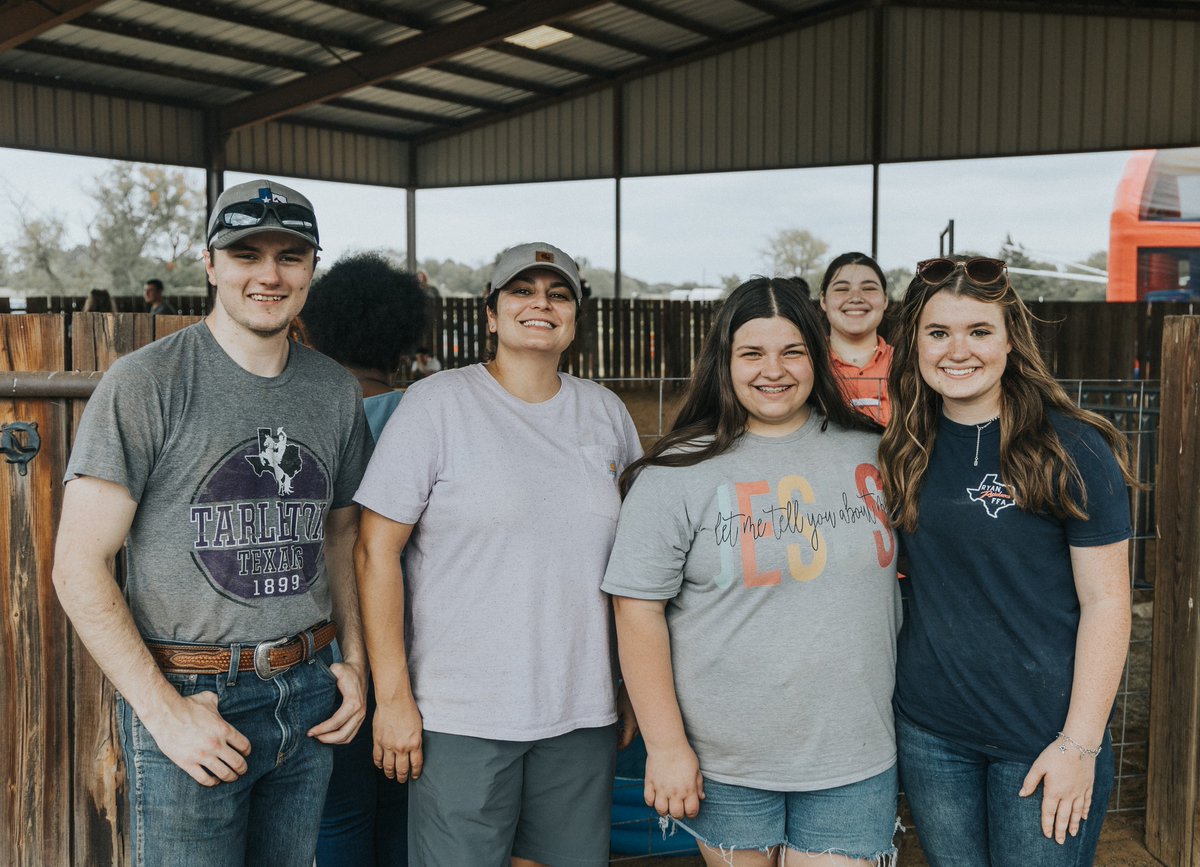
261	206
539	254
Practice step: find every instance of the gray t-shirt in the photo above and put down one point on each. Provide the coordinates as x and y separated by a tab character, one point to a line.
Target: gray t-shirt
515	506
784	608
234	475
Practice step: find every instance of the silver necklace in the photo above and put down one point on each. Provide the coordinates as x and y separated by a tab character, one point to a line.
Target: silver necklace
979	435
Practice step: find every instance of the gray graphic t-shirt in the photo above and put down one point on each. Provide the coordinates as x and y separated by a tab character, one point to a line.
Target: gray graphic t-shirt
781	575
234	476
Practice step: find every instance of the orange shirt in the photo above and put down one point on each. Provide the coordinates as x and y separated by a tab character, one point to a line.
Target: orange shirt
866	387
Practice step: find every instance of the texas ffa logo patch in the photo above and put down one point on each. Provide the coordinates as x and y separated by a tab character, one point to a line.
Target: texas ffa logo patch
992	494
612	469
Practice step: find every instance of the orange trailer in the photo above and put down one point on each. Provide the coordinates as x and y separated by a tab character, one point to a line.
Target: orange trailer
1154	243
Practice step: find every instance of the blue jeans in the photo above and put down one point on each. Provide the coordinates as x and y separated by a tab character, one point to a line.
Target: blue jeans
365	822
967	811
269	816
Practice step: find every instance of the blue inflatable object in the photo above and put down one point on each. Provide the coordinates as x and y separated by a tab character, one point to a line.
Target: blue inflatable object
635	827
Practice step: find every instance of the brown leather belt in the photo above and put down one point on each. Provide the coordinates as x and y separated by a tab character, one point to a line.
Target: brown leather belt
266	659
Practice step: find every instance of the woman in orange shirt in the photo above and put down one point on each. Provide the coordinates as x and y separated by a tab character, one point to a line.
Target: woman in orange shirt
854	297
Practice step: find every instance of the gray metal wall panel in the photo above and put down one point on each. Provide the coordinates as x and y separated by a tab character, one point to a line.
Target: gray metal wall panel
968	83
802	98
280	148
71	121
565	141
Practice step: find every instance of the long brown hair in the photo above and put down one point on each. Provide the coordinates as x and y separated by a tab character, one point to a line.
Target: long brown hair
1033	461
711	419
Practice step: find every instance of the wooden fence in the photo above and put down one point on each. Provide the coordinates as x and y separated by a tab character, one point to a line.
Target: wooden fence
63	798
654	338
187	305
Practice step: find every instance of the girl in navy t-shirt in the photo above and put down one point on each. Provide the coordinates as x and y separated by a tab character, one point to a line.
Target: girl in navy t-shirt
1011	506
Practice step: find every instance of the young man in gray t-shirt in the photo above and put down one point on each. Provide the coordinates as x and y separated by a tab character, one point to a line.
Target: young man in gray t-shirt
202	455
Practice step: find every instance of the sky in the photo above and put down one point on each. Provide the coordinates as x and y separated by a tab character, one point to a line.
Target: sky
680	228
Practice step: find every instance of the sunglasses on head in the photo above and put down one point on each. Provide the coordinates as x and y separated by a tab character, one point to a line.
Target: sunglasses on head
242	215
980	269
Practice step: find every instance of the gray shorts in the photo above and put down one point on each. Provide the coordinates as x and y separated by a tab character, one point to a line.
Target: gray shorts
481	801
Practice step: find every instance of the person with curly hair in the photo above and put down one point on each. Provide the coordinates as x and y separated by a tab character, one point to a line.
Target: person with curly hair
365	313
1011	505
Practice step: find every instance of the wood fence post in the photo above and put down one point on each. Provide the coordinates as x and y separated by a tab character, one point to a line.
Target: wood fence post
35	755
1172	824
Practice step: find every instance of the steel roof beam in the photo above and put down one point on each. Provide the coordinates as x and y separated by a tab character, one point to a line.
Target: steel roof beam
330	39
794	20
269	23
766	7
161	36
407	54
138	64
512	82
629	46
381	12
27	19
217	79
683	22
552	60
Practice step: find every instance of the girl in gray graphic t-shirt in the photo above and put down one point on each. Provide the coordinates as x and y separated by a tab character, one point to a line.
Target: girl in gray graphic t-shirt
756	603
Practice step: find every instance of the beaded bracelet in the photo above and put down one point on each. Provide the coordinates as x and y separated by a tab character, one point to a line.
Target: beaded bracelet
1062	748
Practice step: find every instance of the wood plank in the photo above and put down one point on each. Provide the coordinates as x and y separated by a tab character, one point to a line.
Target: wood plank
34	689
1174	759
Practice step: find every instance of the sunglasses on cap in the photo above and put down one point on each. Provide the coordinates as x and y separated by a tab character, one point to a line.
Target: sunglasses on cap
981	270
243	215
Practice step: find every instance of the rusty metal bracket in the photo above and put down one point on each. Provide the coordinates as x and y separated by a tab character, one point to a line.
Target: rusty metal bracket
20	443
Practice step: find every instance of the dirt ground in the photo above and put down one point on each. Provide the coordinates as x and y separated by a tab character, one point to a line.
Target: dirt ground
1121	844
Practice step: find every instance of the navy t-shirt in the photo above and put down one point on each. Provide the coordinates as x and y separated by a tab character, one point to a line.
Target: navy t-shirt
986	654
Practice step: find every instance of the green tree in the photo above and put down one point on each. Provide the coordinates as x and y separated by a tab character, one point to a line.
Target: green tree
796	253
39	252
149	222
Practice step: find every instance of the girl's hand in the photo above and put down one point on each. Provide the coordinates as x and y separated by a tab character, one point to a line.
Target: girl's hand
1066	779
673	783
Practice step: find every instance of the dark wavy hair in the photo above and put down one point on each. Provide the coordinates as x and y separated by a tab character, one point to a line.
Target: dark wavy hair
711	419
1033	461
365	312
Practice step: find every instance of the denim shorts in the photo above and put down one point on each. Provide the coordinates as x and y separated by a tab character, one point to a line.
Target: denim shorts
857	820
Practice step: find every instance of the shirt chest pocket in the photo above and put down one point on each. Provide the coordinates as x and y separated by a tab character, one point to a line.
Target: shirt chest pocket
601	468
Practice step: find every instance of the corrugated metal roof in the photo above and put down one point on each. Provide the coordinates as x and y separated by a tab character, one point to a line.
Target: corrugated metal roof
430	70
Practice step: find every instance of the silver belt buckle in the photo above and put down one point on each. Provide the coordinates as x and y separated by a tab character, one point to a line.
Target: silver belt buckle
262	662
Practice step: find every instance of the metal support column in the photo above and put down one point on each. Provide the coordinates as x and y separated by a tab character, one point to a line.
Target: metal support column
878	130
410	211
214	174
410	235
618	145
